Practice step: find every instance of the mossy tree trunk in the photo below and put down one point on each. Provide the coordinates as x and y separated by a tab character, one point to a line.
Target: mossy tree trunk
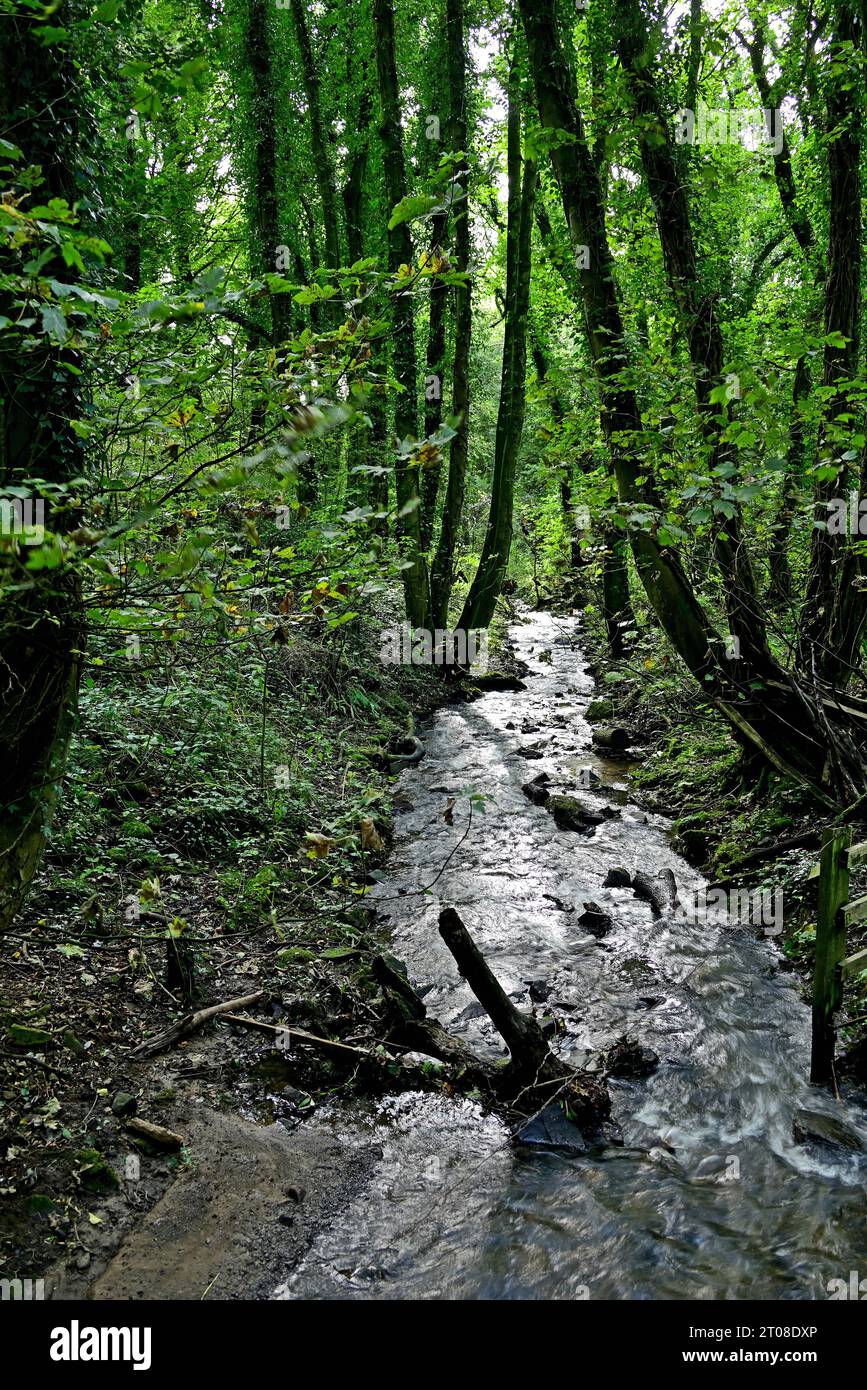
778	718
493	563
442	572
416	583
41	623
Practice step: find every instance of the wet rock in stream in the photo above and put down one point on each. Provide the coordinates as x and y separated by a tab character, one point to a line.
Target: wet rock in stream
570	814
617	878
536	790
660	892
595	921
611	737
628	1060
817	1131
498	680
551	1132
533	750
568	908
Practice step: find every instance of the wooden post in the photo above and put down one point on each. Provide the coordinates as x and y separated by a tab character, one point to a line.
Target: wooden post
830	950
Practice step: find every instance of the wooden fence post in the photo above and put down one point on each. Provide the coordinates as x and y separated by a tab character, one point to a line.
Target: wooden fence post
830	950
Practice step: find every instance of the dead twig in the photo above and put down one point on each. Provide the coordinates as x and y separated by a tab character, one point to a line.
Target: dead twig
191	1022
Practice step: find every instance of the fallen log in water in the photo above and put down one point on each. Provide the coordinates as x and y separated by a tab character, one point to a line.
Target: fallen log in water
412	1028
534	1076
660	892
611	737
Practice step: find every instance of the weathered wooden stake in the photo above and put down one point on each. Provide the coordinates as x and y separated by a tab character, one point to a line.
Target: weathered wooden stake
830	950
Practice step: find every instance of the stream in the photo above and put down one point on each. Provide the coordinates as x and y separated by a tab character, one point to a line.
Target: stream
709	1197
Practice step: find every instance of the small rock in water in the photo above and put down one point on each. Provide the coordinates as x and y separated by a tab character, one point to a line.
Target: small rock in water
539	991
570	814
474	1010
630	1060
618	878
815	1130
713	1168
595	921
551	1132
660	892
664	1159
533	750
536	791
568	908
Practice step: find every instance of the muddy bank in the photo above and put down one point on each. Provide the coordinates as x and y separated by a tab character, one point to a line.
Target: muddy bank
243	1209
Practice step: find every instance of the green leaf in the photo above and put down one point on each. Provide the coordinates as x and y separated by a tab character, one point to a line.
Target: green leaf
412	207
54	324
108	11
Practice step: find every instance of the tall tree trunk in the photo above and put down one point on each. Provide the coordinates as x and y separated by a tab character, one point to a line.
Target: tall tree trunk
693	67
416	584
133	201
442	573
835	610
374	488
263	207
42	621
322	167
700	317
434	372
616	609
564	466
358	123
435	359
493	563
780	585
778	721
796	218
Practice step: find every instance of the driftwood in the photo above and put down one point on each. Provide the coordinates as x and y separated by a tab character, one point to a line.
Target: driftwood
410	751
611	736
155	1134
191	1022
534	1076
660	892
522	1035
339	1049
412	1028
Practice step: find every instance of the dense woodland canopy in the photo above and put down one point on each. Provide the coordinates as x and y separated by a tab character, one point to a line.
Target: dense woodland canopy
316	318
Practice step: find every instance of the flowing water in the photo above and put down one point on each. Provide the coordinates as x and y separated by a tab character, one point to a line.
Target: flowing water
709	1197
